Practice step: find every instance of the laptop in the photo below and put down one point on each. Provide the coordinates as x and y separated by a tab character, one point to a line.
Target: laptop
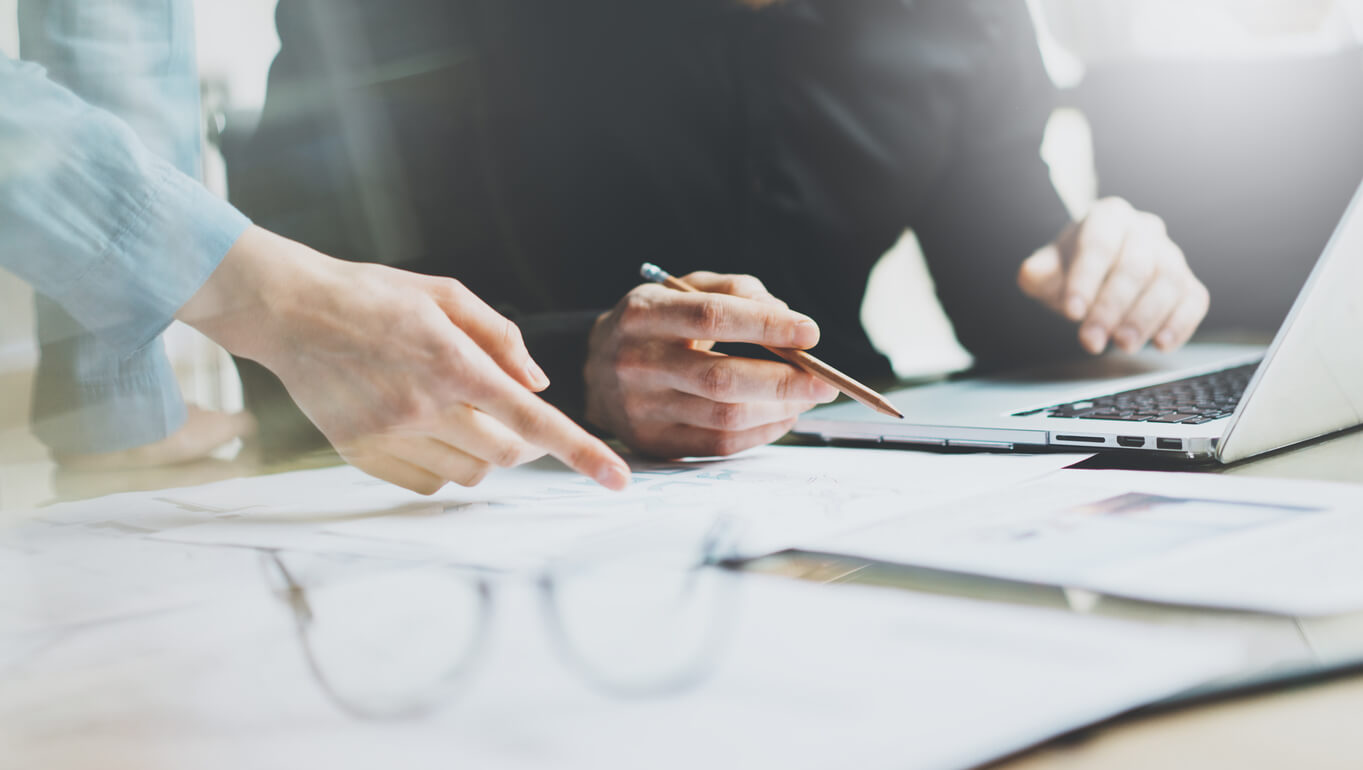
1203	403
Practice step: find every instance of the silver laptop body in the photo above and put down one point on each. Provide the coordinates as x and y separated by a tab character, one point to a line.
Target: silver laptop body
1308	383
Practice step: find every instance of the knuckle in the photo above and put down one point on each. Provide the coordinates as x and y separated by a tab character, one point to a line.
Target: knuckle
451	287
785	386
628	359
709	317
1137	267
1115	205
583	456
510	336
717	381
635	407
726	416
406	409
478	389
532	422
507	455
647	439
706	277
748	285
771	326
1154	223
449	291
728	444
633	310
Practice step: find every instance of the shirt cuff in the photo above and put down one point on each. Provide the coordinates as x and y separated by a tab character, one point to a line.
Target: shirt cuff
154	267
87	399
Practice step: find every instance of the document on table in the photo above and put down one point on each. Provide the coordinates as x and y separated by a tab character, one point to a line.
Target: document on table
1286	547
777	495
813	676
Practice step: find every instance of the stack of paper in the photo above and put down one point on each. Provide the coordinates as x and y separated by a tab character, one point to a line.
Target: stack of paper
1287	547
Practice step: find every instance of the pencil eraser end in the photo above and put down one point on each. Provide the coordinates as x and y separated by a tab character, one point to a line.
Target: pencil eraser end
652	272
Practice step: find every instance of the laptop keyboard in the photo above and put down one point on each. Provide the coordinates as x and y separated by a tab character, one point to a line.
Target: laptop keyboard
1193	401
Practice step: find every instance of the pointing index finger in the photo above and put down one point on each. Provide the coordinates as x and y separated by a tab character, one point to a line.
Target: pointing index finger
541	424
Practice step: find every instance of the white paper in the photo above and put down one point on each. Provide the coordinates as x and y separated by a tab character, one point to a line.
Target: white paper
523	516
1286	547
781	496
53	576
815	677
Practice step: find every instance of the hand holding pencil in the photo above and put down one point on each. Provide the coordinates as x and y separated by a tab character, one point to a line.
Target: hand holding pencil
850	387
653	381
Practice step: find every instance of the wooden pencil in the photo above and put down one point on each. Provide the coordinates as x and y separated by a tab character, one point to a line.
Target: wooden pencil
800	358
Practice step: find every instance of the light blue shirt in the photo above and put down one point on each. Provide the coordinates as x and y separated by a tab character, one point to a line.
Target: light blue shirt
100	211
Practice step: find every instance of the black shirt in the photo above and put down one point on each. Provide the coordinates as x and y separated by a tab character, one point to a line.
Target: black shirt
540	150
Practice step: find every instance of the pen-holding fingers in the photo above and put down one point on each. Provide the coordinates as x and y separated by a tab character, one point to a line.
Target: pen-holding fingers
677	408
673	441
726	379
746	286
657	311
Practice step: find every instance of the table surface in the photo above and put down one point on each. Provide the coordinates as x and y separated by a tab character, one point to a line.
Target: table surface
1305	725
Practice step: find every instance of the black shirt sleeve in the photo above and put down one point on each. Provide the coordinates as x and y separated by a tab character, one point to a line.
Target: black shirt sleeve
558	343
994	204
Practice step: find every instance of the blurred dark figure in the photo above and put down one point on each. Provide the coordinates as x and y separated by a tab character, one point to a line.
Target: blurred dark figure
540	150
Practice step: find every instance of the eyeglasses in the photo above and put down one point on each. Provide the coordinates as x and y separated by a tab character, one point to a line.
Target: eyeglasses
634	616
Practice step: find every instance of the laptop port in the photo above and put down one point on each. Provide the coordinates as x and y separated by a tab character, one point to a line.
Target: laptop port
1175	444
1085	439
1131	442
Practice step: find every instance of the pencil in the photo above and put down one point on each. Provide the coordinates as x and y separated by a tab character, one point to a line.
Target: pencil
802	359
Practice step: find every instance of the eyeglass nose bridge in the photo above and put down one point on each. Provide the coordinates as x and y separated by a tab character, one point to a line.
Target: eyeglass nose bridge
720	625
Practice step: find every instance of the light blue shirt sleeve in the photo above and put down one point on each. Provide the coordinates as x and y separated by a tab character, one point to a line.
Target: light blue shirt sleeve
100	213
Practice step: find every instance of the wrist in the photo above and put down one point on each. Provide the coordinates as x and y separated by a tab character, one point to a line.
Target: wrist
245	303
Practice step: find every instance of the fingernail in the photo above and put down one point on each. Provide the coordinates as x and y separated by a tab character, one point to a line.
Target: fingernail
1094	338
613	476
1126	337
536	376
1165	340
806	334
1076	307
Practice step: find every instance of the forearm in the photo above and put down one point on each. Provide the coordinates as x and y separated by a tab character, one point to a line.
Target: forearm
116	235
989	218
994	203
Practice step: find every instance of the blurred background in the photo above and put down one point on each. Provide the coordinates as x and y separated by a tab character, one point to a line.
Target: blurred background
1238	121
